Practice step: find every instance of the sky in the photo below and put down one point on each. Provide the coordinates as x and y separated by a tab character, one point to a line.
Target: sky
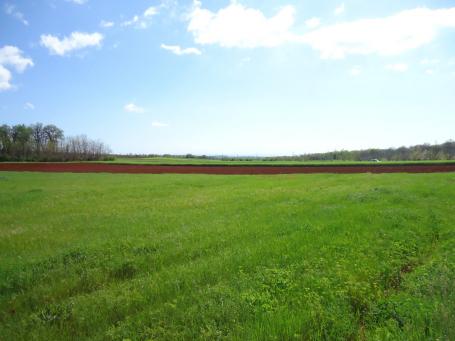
243	77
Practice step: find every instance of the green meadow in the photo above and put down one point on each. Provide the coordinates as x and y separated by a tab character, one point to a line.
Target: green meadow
198	257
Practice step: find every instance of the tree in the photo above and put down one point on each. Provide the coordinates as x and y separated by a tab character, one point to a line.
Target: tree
46	143
39	137
5	141
53	136
21	137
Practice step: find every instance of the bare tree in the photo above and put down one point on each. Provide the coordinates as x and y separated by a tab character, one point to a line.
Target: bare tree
47	143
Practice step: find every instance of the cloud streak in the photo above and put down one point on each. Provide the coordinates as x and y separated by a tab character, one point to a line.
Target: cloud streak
78	2
11	10
131	107
29	106
106	24
179	51
76	41
340	9
142	21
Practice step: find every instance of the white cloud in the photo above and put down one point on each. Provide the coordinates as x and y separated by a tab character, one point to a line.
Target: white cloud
429	61
11	10
239	26
133	21
78	2
391	35
29	106
106	24
340	9
151	11
355	71
5	78
131	107
77	41
159	124
400	67
141	21
175	49
429	72
313	22
11	56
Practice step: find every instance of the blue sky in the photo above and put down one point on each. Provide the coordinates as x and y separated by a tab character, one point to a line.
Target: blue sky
242	77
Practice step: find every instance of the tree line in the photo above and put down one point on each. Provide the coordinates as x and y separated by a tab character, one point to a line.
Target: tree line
444	151
38	142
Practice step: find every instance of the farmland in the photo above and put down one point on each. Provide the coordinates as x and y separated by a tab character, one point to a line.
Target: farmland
224	169
166	257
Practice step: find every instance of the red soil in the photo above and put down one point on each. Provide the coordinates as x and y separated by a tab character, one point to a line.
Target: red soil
153	169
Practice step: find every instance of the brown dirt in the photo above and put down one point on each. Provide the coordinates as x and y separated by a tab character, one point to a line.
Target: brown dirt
186	169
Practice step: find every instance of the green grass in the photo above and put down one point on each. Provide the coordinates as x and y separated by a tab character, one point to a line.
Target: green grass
183	257
200	162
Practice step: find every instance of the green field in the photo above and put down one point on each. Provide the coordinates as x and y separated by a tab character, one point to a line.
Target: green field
200	162
183	257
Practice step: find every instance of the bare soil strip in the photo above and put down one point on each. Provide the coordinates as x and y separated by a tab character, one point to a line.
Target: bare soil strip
227	170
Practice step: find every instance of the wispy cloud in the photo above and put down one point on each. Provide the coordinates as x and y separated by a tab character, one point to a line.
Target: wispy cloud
400	67
12	11
132	21
340	9
175	49
76	41
106	24
427	61
78	2
355	71
244	61
150	12
313	22
143	20
11	56
29	106
131	107
391	35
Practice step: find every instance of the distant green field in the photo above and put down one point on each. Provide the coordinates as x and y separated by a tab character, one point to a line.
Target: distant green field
187	257
196	161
